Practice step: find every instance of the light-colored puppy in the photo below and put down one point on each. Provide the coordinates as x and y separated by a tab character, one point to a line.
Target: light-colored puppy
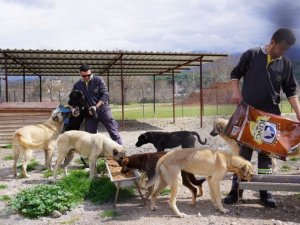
36	137
205	162
218	129
91	146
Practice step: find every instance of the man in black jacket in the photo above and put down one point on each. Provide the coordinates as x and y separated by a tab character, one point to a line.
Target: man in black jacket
265	71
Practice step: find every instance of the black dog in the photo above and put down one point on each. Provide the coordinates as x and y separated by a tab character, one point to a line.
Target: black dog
163	140
76	101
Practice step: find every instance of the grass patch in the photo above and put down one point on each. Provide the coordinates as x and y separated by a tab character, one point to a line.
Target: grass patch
285	168
101	168
31	165
110	214
42	200
294	159
5	198
48	173
297	196
71	190
8	157
97	191
6	146
165	110
165	192
3	186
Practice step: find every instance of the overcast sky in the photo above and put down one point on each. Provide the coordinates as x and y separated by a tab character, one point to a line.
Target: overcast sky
214	26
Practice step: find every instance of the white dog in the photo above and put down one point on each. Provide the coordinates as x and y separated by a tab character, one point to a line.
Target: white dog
91	146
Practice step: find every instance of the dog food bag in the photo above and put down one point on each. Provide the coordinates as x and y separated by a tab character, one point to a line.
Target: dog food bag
265	131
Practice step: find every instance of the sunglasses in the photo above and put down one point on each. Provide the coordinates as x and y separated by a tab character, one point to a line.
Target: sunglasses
86	75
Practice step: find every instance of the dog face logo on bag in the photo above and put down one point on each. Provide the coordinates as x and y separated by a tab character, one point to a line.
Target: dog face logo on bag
263	131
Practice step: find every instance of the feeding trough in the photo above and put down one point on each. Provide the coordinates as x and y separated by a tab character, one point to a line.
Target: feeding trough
122	180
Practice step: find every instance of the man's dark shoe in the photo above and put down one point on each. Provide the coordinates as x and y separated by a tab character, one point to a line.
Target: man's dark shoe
267	199
232	197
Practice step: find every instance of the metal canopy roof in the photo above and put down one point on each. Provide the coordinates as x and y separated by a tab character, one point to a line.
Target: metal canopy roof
111	63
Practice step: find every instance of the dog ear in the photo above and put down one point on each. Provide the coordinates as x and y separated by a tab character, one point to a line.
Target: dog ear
125	162
144	136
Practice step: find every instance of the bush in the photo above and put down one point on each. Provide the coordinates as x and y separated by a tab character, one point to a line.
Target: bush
42	200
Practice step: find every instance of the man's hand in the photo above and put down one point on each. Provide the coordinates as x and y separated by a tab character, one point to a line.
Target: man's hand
75	111
93	111
236	97
99	104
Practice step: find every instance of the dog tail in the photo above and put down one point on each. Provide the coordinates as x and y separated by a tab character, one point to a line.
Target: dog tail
199	139
152	180
19	137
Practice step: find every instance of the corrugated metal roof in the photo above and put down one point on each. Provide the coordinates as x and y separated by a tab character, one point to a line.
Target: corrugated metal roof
112	63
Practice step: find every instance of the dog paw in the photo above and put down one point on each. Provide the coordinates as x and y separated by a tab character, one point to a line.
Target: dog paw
22	175
153	208
224	210
192	203
182	215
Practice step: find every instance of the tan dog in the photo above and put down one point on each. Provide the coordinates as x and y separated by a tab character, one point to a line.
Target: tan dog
218	129
206	162
36	137
91	146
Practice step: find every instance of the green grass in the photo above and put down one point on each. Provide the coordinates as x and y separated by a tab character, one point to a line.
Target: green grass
8	157
30	166
165	192
285	168
5	198
98	190
71	190
110	214
101	168
165	110
6	146
3	186
49	173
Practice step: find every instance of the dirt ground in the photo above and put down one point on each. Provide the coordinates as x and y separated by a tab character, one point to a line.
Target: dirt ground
250	211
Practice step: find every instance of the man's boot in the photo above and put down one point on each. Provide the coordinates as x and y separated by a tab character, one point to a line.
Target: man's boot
233	197
267	199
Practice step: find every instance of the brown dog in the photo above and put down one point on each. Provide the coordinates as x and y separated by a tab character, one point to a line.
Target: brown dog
206	162
147	162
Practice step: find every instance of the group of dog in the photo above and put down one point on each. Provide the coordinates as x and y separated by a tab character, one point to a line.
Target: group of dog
162	168
177	167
